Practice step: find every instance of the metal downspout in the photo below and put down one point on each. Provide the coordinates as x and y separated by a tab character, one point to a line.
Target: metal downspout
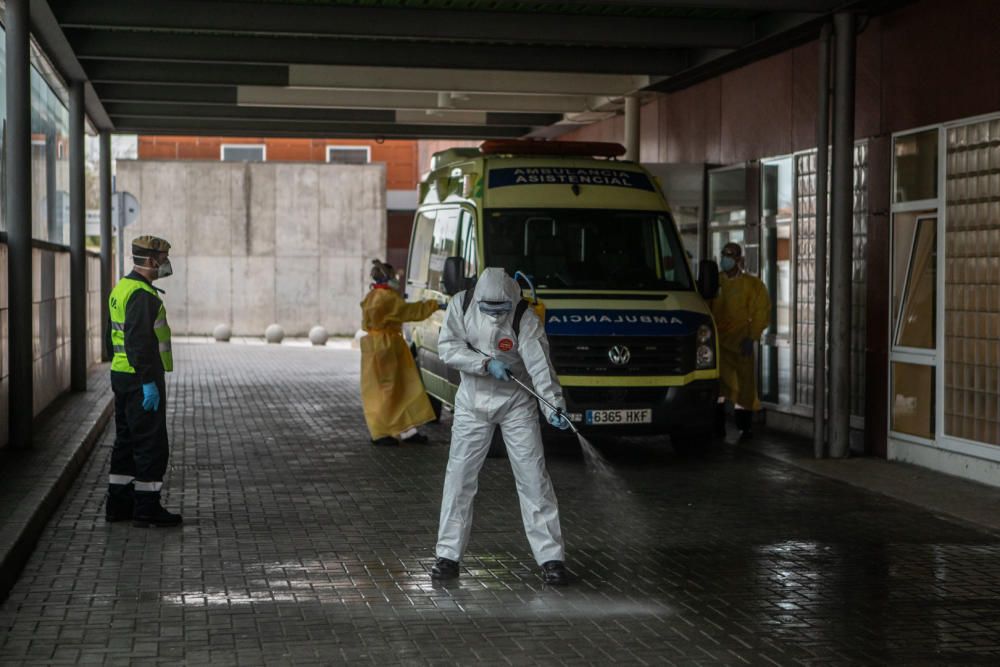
842	223
822	176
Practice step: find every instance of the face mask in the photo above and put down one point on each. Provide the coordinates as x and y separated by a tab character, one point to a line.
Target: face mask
727	264
393	284
164	269
495	310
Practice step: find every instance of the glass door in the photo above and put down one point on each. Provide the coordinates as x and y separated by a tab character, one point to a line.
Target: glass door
727	208
777	185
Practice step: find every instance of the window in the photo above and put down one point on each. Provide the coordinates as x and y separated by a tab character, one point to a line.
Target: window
420	249
348	154
469	243
914	283
243	153
587	248
443	245
915	175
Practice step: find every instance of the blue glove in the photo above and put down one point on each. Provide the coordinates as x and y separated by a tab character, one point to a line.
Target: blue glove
442	305
150	397
559	420
498	369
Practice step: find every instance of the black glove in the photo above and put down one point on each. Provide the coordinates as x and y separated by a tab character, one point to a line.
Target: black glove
746	347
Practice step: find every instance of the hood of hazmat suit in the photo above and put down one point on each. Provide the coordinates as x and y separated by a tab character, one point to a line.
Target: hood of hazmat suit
483	403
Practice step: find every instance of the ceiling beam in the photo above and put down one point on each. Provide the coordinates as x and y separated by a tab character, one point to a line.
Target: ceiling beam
258	128
173	47
742	5
267	96
139	109
167	73
420	24
378	99
458	80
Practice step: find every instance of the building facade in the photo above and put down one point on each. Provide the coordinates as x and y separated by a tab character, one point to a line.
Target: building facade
926	258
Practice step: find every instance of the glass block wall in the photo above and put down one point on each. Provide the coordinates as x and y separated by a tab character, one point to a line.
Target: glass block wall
805	276
972	283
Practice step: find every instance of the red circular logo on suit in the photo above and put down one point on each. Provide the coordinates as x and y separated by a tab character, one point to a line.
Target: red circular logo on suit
505	345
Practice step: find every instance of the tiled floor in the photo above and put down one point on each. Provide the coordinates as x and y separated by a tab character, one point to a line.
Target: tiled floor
303	544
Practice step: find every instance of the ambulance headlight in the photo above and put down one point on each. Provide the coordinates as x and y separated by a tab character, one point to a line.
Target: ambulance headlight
705	353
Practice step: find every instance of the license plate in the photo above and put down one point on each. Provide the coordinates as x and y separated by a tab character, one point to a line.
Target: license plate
615	417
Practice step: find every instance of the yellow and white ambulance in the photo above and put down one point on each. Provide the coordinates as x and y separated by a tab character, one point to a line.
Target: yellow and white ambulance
629	331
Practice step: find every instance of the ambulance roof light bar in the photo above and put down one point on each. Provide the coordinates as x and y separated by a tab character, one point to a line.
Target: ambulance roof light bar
565	148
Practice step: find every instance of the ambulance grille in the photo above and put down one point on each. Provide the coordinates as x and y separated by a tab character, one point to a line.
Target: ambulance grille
660	355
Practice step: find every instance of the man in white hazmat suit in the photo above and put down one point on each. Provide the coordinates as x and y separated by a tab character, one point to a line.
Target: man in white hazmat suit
514	340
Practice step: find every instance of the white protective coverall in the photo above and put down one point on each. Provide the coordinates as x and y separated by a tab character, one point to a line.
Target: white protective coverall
483	403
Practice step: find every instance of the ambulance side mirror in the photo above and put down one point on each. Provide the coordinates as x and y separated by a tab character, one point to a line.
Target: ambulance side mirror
453	276
708	279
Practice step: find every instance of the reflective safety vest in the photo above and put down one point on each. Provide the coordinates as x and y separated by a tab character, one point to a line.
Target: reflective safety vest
117	302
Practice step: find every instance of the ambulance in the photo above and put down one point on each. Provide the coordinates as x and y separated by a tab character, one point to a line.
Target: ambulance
593	244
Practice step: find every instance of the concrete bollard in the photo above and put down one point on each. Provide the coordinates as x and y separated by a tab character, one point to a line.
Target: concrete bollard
222	333
318	335
274	333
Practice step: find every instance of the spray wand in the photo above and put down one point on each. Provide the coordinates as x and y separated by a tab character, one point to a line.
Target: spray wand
510	376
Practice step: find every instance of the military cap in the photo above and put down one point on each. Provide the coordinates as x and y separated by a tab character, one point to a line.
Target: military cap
146	246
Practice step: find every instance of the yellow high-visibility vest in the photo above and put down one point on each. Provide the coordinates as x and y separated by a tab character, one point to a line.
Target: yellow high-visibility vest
117	302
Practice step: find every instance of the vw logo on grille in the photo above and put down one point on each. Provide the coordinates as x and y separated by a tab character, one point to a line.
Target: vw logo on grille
619	355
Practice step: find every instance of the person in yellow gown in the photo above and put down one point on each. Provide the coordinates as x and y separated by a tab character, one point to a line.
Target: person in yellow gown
392	394
742	311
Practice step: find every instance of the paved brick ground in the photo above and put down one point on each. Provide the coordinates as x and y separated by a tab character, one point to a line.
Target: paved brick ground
305	545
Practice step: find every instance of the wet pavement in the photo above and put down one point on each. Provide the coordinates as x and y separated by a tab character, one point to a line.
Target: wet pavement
303	544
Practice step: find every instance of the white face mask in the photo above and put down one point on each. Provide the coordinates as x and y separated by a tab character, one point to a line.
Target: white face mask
165	269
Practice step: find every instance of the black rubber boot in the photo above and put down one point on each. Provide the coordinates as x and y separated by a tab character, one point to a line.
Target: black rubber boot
387	441
444	568
744	422
417	439
720	420
554	573
119	503
150	513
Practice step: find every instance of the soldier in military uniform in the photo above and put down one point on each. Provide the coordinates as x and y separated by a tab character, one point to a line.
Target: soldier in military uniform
140	343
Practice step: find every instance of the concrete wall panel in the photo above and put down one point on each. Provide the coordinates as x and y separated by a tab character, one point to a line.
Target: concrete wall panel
253	294
209	283
265	242
297	198
298	286
263	209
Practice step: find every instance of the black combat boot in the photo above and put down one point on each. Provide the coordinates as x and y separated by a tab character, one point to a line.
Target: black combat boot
118	504
744	422
150	513
444	568
554	573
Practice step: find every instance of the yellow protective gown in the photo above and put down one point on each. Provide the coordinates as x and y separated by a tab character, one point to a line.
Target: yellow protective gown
391	391
741	310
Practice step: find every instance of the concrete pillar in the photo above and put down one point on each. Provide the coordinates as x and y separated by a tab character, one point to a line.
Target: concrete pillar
841	234
822	174
77	240
18	185
105	188
632	128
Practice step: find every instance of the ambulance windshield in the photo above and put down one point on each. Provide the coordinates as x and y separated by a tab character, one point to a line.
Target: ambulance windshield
588	248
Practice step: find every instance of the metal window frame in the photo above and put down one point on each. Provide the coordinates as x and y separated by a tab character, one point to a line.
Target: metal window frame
352	149
223	147
936	358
